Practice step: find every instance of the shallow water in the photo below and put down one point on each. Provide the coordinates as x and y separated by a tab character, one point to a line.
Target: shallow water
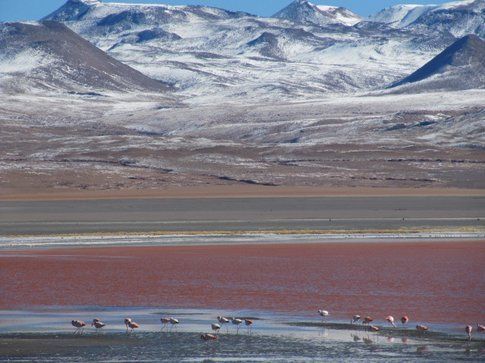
47	335
430	282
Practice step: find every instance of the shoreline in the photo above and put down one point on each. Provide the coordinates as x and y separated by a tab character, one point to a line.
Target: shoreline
272	335
233	191
234	238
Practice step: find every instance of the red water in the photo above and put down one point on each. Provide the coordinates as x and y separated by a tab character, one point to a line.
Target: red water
431	282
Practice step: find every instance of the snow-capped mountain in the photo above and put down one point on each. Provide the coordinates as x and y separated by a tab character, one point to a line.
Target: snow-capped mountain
302	11
206	52
50	56
457	17
460	66
401	15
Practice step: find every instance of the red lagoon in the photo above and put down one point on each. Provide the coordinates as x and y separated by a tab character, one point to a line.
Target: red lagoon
434	282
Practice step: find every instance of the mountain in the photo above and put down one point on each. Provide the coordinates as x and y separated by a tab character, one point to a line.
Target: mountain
48	55
302	11
458	18
460	66
206	53
399	16
213	55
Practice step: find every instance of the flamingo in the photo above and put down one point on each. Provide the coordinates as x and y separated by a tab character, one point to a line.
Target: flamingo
367	320
216	327
236	322
98	324
249	324
480	328
421	328
132	325
223	321
404	319
355	319
208	337
165	322
374	328
173	322
127	322
323	314
79	325
390	319
468	330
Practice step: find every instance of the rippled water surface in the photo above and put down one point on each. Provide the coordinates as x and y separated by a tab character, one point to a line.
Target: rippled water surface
47	335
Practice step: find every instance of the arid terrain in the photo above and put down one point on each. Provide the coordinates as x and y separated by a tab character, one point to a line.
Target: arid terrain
77	143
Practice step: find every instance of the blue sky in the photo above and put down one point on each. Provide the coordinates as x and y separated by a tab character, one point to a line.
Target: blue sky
12	10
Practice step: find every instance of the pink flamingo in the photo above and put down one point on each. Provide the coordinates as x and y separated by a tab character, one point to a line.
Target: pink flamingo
165	322
98	324
404	319
127	322
132	325
173	322
367	320
390	319
374	328
215	328
480	328
79	325
468	330
223	320
323	314
422	328
208	337
236	322
249	324
355	319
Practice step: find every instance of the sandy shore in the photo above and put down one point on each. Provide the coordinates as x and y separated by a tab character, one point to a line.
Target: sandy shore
290	213
228	191
430	282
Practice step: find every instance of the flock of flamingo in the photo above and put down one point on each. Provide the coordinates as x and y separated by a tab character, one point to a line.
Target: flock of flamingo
132	325
404	320
216	327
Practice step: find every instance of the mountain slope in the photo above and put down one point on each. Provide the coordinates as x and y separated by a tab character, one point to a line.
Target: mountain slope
460	66
48	55
458	17
209	54
401	15
302	11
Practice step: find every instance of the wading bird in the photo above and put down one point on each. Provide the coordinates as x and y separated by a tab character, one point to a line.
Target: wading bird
480	328
98	324
223	320
390	319
132	325
127	322
208	337
422	328
367	320
468	330
355	319
173	322
79	325
249	324
215	327
323	314
237	322
374	328
404	319
165	322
